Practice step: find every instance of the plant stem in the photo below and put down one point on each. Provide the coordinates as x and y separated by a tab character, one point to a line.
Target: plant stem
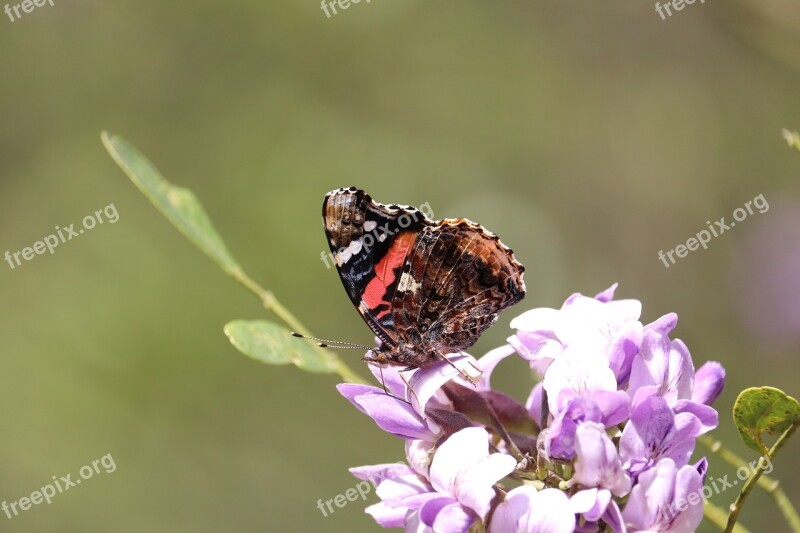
272	304
783	503
715	446
717	516
769	485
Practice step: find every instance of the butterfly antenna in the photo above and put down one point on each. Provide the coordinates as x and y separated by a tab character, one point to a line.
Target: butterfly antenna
323	343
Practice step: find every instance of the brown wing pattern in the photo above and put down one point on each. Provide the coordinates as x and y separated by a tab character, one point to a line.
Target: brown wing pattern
458	278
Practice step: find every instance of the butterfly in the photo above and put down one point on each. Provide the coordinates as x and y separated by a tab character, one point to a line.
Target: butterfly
426	288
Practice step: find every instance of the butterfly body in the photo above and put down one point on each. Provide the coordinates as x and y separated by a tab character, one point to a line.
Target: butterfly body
426	288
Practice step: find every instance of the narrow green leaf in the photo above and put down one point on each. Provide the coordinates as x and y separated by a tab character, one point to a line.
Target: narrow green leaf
179	205
764	410
273	344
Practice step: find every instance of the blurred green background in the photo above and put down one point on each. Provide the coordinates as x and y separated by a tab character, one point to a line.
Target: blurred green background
588	136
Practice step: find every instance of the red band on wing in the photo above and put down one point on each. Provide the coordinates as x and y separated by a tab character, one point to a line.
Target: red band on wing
375	291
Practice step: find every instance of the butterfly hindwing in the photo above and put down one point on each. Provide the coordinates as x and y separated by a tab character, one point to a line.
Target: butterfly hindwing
459	277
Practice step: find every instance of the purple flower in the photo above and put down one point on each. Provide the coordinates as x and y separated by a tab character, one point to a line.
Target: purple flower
655	432
594	326
402	411
613	423
527	510
458	492
666	499
664	368
560	439
582	375
399	485
709	381
464	470
390	414
534	403
597	464
595	505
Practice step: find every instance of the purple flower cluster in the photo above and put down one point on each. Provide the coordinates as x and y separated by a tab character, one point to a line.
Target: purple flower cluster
603	442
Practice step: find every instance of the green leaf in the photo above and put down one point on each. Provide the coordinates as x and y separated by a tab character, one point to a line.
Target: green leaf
764	410
273	344
179	205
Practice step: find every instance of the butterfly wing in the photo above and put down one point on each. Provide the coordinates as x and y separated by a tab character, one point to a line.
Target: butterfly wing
459	276
370	242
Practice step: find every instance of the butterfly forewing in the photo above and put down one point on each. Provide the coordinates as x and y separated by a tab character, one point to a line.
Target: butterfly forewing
370	242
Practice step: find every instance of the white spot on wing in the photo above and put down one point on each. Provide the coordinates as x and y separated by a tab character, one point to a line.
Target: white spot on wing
407	283
343	256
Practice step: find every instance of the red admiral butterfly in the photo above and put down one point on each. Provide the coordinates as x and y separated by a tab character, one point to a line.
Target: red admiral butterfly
426	288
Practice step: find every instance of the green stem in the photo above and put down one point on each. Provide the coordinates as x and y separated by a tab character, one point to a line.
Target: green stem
769	485
272	304
718	516
715	446
786	508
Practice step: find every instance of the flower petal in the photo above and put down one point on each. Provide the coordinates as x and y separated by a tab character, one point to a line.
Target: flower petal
526	510
647	501
709	381
708	416
351	390
688	488
454	519
431	508
597	463
615	406
476	484
387	516
608	294
394	416
664	325
534	404
377	473
462	450
591	503
488	362
426	382
401	491
418	454
389	377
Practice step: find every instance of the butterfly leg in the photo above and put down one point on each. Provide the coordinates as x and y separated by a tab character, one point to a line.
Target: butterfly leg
408	385
383	384
462	373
